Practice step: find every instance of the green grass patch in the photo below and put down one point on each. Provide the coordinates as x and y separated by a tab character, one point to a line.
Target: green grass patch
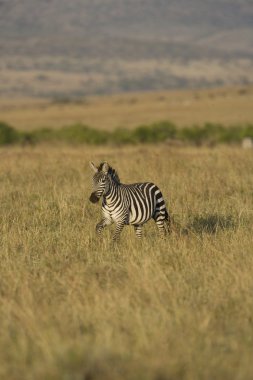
8	135
209	134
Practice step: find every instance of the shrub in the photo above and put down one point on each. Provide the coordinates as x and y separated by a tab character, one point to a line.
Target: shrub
39	135
247	131
157	132
209	133
82	134
163	131
8	135
122	136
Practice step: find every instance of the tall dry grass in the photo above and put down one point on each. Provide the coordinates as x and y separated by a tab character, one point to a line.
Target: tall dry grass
73	307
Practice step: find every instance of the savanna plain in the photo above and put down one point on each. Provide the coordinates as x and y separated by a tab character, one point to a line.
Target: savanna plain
76	307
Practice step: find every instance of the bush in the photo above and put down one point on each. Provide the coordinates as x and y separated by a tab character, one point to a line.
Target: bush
209	133
157	132
8	135
39	135
76	134
236	134
248	131
122	136
82	134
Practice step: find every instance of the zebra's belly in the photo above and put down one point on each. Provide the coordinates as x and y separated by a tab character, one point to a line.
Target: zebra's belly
140	216
133	217
140	219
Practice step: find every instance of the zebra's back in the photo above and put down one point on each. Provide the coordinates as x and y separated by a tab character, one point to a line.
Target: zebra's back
145	201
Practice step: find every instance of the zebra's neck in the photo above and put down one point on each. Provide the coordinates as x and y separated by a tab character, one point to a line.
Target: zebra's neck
113	188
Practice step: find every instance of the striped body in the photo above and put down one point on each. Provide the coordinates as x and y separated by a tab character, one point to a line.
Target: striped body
140	201
132	204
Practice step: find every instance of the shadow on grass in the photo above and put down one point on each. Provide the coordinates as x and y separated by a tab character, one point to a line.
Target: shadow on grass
212	223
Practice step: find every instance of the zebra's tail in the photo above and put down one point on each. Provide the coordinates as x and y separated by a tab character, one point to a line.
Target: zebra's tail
167	220
172	225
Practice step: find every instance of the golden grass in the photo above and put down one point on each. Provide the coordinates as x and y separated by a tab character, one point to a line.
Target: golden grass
226	106
72	307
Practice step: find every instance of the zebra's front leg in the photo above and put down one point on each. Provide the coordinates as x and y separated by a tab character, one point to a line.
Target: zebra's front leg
102	224
119	227
138	231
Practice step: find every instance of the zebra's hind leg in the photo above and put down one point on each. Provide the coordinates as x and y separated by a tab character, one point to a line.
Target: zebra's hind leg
162	224
138	230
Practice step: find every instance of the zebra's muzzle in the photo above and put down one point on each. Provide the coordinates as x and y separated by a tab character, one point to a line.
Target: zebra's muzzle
93	198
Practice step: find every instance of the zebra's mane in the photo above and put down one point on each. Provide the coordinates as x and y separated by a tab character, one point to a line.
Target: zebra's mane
112	172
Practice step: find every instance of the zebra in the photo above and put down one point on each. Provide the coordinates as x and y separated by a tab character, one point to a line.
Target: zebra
132	204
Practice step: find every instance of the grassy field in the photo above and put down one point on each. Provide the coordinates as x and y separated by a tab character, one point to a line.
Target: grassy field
225	106
73	307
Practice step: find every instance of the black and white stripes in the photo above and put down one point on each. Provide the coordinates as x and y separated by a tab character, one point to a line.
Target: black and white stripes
131	204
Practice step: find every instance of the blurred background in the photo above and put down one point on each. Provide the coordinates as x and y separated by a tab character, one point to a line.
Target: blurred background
121	64
57	48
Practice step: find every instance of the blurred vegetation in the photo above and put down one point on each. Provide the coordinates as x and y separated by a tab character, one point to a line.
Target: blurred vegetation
8	135
164	131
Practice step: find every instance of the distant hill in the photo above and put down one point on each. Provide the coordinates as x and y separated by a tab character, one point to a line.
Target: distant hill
79	47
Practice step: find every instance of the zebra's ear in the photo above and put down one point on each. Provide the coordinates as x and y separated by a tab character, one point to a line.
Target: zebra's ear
105	168
93	167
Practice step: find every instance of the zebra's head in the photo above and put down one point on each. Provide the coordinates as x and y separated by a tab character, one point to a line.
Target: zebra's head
100	181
